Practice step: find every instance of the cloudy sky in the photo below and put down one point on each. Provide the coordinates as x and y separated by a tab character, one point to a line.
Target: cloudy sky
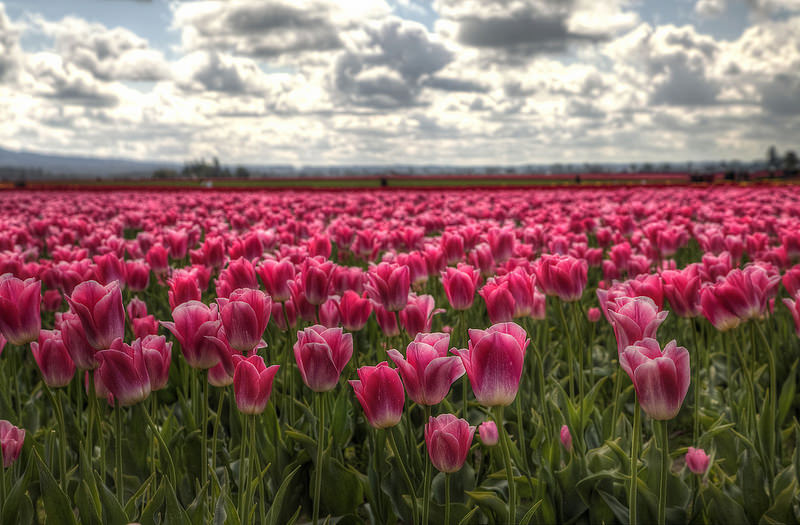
401	81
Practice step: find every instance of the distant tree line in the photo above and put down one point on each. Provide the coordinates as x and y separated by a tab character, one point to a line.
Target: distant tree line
201	169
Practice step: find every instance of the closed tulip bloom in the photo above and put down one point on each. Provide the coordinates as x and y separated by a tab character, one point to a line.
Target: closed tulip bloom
157	354
682	290
387	321
459	285
276	276
329	315
448	439
101	312
144	326
487	431
389	285
110	268
195	327
634	319
697	460
502	243
661	378
528	300
500	303
158	258
315	278
74	338
20	303
791	280
562	275
136	308
427	370
245	314
239	274
252	384
51	301
381	394
221	374
183	287
11	440
137	275
566	438
123	370
354	310
417	316
53	359
320	245
493	362
593	314
794	307
321	354
452	247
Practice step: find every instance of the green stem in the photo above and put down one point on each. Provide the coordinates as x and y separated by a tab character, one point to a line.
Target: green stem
581	351
287	366
254	468
426	495
695	380
118	430
461	327
636	435
751	391
217	419
512	488
447	498
92	416
320	449
62	436
773	393
404	472
204	431
165	451
570	358
242	469
661	427
152	445
616	398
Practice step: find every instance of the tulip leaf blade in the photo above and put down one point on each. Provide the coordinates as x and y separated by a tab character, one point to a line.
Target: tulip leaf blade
56	503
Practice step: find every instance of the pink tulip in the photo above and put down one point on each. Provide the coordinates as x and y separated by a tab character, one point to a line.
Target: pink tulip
196	327
697	460
794	307
566	438
245	314
157	354
502	243
315	279
11	440
661	378
136	308
354	311
110	268
741	296
321	354
276	276
101	312
528	301
144	326
381	394
239	274
448	440
138	275
427	370
452	247
51	301
53	359
389	285
459	285
500	303
157	258
791	280
494	362
74	338
634	319
487	431
387	321
252	384
123	370
593	314
682	289
562	275
183	287
418	314
20	303
221	374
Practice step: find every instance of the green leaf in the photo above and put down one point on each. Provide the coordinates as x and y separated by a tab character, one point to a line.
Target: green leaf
86	509
620	511
723	509
468	516
787	395
15	496
131	505
526	519
274	514
56	504
153	505
781	510
175	513
342	491
112	509
491	504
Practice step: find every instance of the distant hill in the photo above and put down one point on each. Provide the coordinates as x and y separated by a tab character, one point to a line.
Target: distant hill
76	165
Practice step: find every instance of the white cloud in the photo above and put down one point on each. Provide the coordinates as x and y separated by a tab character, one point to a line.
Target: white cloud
9	46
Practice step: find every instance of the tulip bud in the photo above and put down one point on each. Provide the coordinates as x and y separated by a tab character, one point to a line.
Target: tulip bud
487	431
321	354
20	303
593	314
245	314
354	311
252	384
389	285
157	354
196	327
459	285
697	460
427	370
123	370
101	312
566	438
53	359
145	326
661	378
11	440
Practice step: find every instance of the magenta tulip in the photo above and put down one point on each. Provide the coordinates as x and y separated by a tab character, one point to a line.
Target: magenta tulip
321	354
682	289
276	276
427	370
354	310
196	327
566	438
183	287
245	314
417	316
634	319
499	300
123	370
74	338
157	354
381	394
494	362
145	326
448	439
661	378
252	384
389	285
53	359
20	303
562	275
794	307
101	312
460	284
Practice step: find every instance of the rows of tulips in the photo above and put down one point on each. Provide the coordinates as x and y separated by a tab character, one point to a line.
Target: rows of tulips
625	355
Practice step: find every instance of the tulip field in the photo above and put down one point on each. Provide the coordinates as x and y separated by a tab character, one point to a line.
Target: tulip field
401	356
